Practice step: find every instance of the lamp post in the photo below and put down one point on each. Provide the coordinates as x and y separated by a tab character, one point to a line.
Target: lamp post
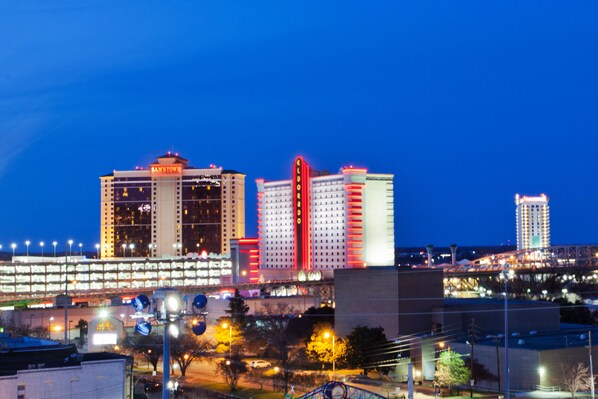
41	244
230	338
13	246
70	247
327	335
97	251
54	243
168	308
124	246
50	325
80	249
27	245
132	248
149	248
506	278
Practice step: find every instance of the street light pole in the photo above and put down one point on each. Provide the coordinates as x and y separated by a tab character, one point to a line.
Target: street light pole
591	365
230	338
66	290
41	244
506	275
54	244
327	335
27	245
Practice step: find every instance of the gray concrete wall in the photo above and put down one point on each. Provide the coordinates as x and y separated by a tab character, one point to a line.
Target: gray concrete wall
400	301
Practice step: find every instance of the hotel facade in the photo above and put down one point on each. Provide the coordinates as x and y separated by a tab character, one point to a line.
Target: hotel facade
171	209
318	222
533	222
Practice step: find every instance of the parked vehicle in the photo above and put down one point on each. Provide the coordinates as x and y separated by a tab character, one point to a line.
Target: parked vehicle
260	364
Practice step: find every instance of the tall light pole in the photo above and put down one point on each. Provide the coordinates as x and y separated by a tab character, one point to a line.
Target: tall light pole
169	310
66	288
13	246
80	249
591	364
54	243
506	278
124	250
41	244
97	251
230	338
327	335
132	248
27	245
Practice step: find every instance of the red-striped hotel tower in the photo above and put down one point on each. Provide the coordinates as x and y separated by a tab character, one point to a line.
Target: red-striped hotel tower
318	222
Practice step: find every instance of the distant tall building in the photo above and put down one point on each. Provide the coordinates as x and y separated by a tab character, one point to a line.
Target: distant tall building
533	222
171	209
320	221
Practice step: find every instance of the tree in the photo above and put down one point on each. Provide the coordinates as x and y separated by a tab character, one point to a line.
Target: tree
237	309
274	332
451	369
576	378
367	348
187	348
302	327
231	370
228	337
319	348
149	347
575	312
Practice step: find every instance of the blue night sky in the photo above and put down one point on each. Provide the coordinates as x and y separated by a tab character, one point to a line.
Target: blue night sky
465	102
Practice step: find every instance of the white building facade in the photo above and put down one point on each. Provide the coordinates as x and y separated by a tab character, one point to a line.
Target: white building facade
321	222
533	222
105	379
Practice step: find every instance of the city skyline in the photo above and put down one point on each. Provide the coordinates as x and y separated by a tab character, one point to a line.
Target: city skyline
465	104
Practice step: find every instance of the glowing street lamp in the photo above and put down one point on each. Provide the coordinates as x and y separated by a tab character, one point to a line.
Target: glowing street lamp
13	246
230	338
70	247
41	244
97	251
132	248
27	245
327	335
80	249
54	243
541	372
124	246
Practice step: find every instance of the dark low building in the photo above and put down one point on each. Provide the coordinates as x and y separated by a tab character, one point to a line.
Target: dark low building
399	300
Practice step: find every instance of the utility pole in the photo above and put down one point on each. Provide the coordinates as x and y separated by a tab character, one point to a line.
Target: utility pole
66	294
471	359
591	366
497	361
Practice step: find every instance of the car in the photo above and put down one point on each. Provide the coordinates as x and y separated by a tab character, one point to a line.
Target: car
259	364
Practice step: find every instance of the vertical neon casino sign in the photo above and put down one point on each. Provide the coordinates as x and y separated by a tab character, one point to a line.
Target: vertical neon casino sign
301	214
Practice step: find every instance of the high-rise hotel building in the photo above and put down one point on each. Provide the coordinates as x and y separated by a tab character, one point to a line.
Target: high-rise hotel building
320	222
171	209
533	222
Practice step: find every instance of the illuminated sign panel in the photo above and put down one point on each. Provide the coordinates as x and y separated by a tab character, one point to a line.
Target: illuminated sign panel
166	170
104	338
301	201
